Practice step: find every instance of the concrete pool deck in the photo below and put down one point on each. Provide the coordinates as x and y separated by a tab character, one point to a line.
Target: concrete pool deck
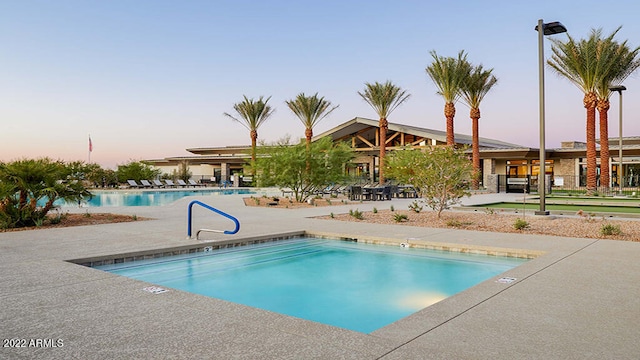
580	300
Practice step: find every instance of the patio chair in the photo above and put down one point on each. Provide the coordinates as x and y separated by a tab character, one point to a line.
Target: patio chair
133	184
194	184
146	183
355	192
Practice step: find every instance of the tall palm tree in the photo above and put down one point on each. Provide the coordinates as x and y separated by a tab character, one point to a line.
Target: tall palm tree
310	110
448	75
624	62
584	64
383	98
252	113
478	83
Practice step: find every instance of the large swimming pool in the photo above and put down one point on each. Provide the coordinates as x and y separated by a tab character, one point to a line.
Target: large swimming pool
150	198
346	284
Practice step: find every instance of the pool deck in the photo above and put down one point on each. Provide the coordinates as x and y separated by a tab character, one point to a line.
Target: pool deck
580	300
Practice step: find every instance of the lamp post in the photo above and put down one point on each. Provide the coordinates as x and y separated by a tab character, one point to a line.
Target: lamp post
619	89
543	29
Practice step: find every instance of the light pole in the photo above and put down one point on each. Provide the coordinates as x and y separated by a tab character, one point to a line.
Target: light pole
543	29
619	89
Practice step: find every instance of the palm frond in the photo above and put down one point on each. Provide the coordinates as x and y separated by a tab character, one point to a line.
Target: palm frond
384	98
252	113
448	74
588	62
476	85
310	109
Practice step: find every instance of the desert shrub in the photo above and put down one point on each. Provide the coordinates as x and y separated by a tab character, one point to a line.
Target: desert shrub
454	223
356	214
520	224
57	218
375	210
610	229
415	207
397	217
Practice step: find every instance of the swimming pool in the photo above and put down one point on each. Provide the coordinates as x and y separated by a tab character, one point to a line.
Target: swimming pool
150	198
351	285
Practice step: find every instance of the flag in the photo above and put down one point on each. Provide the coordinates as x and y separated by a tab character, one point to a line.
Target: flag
90	144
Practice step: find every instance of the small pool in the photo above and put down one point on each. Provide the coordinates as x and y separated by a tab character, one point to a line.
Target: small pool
150	198
351	285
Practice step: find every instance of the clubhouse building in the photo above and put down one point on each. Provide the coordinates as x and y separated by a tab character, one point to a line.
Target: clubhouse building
504	166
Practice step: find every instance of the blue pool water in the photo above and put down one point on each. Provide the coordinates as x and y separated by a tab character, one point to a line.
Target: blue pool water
150	198
345	284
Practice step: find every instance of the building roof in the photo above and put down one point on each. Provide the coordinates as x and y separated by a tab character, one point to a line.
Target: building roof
359	124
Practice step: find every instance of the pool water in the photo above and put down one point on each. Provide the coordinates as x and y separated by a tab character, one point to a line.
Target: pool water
350	285
150	198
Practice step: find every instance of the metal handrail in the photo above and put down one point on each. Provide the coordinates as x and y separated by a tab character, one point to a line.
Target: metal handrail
228	232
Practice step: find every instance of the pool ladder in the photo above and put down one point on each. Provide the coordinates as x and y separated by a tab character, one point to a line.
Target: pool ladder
189	217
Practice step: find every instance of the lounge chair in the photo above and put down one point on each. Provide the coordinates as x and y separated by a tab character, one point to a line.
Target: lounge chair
133	184
191	182
170	183
146	183
182	183
158	183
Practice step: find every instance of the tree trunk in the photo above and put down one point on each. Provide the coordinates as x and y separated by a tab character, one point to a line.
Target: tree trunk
383	125
450	113
475	146
254	140
308	133
590	104
603	110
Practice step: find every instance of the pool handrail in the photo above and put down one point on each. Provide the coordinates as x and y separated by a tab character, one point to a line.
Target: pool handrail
189	217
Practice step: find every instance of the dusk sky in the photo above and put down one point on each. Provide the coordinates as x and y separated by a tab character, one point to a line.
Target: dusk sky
148	79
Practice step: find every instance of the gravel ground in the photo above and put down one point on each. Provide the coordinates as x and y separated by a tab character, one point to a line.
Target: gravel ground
578	226
499	221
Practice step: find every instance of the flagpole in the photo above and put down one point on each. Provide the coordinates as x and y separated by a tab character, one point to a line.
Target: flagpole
90	149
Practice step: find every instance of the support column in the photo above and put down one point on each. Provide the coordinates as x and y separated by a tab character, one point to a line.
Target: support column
224	172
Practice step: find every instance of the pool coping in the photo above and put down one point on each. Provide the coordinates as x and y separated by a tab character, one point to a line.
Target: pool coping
205	246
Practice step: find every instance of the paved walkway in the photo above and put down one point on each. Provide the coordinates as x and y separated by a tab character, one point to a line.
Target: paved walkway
580	300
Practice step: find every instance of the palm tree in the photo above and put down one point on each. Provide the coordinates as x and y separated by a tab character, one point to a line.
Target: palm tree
624	62
584	64
252	114
476	86
448	75
310	110
383	98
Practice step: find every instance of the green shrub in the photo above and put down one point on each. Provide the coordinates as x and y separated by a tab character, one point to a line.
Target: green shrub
400	217
610	229
415	207
57	219
520	224
356	214
331	215
454	223
375	210
392	209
